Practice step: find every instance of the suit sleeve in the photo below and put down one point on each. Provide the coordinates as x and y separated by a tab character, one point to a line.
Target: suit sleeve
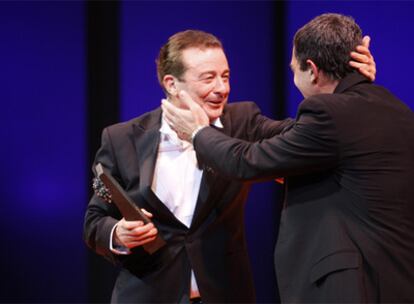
257	126
101	216
309	145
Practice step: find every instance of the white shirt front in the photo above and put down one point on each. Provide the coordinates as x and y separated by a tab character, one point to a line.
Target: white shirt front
176	177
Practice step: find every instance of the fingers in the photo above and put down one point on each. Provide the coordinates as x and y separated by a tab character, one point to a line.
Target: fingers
140	243
358	65
362	53
363	60
142	233
184	121
361	56
134	228
129	225
134	233
187	100
170	111
366	41
176	116
166	108
131	241
180	120
198	115
196	111
362	69
148	214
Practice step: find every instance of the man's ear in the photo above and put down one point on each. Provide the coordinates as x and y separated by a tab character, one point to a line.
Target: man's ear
170	86
313	70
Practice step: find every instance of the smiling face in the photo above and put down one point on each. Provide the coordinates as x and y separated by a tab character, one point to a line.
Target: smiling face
206	79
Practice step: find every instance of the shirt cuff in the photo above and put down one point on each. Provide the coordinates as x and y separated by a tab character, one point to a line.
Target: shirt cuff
117	249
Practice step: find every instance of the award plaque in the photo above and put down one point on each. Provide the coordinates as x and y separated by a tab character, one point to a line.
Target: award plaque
108	188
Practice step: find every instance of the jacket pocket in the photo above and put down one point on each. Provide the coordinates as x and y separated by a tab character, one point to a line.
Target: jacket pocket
335	262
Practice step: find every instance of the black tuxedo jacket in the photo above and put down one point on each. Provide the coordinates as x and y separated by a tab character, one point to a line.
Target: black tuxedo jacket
347	226
213	246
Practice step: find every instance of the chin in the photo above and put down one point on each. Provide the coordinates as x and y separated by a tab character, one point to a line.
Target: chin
214	113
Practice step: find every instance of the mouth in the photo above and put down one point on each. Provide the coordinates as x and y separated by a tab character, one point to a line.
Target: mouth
215	103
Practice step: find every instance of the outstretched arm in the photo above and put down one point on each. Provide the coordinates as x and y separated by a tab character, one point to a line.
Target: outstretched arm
306	147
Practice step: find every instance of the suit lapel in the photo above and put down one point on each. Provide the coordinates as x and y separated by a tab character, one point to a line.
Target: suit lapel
208	181
147	149
146	141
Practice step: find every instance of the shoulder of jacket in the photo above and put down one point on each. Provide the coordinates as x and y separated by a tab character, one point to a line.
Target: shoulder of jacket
241	104
144	120
246	107
316	101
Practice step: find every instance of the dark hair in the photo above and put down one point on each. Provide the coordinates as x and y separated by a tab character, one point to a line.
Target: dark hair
328	40
169	59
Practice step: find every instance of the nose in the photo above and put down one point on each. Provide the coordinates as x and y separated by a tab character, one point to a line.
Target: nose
222	86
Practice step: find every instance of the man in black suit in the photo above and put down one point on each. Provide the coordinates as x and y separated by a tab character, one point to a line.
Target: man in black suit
347	226
198	212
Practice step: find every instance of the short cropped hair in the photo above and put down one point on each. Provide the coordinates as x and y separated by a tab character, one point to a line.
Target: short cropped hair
327	40
169	59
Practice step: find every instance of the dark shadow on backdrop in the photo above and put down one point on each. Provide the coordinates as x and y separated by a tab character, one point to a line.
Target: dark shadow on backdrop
102	28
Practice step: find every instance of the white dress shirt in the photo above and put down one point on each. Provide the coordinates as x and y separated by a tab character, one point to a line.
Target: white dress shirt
176	182
176	177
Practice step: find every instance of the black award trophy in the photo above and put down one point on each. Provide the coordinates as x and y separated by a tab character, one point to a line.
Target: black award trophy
107	188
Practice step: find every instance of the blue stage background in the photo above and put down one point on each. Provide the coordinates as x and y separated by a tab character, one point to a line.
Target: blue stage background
43	163
44	166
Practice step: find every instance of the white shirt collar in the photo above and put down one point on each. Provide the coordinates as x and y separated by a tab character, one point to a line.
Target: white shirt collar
217	123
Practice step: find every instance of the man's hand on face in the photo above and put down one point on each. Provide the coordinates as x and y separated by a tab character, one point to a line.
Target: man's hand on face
363	60
185	121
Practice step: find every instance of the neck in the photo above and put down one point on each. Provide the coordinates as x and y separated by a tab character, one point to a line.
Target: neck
326	84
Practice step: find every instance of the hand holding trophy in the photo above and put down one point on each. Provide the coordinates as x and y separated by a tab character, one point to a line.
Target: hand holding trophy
107	188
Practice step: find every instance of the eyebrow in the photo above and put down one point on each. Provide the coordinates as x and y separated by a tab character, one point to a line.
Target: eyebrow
213	73
207	73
